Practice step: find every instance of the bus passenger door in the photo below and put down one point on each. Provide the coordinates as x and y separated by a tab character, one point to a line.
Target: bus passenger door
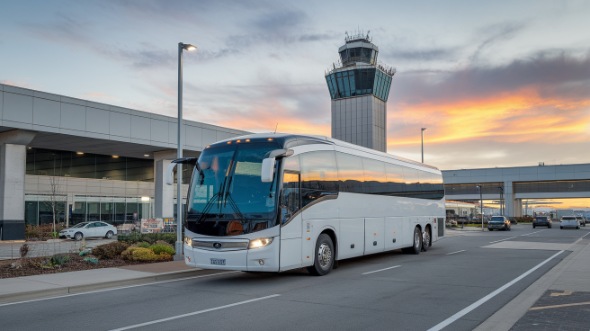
374	235
291	230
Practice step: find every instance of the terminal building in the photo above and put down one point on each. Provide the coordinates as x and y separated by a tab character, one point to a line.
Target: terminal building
89	161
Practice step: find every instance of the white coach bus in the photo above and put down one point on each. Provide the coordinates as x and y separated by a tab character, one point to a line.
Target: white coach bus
275	202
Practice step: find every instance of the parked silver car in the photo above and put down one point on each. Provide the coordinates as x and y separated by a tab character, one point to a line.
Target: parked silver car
569	222
96	229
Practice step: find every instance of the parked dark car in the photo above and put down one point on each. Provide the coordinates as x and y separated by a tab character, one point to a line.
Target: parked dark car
499	223
542	221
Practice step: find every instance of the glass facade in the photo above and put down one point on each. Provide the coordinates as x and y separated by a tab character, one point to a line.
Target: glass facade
115	210
358	54
487	188
355	82
70	164
552	186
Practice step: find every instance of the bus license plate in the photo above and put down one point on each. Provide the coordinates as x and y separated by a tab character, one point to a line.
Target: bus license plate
218	261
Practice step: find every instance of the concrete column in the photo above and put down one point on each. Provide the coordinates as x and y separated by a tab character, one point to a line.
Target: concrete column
13	158
164	200
164	193
510	204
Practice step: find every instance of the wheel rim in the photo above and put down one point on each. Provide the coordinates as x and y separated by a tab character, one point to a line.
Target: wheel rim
324	256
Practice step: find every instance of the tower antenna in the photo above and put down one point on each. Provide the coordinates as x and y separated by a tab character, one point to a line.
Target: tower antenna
276	126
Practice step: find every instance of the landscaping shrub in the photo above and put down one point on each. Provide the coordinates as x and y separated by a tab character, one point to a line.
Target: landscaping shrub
109	251
41	232
136	253
151	238
163	247
143	244
59	259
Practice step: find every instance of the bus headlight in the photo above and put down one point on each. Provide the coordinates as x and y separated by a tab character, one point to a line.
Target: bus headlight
260	242
188	241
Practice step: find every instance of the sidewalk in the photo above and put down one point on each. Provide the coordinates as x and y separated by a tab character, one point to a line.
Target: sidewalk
41	286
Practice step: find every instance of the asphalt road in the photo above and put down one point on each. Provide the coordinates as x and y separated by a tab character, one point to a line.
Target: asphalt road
456	285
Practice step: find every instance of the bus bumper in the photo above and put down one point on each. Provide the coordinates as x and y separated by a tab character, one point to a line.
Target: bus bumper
265	259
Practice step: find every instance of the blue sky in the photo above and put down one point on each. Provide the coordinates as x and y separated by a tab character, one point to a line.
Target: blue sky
502	83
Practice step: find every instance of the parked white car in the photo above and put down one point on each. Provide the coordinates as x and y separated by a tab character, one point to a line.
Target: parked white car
569	222
96	229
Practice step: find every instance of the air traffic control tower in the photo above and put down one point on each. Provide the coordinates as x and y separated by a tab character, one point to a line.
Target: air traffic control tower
359	88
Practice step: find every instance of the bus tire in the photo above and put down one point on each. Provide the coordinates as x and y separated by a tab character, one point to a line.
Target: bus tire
417	243
323	256
427	240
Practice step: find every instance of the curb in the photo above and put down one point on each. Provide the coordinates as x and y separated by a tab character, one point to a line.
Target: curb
59	291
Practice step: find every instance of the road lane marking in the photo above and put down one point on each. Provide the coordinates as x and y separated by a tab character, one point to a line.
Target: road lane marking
528	234
483	300
171	318
497	241
372	272
561	306
461	251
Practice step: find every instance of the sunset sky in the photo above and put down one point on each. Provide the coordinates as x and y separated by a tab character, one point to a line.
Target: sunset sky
496	83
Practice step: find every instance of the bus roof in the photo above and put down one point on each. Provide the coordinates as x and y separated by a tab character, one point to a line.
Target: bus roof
288	140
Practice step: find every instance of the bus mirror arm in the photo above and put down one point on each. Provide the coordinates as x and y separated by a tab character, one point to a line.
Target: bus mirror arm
170	170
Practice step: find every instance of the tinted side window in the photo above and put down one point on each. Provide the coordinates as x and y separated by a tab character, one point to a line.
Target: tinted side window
350	173
319	176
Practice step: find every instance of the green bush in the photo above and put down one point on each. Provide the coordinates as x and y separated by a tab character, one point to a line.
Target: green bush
145	254
151	238
109	251
162	247
143	244
59	259
135	253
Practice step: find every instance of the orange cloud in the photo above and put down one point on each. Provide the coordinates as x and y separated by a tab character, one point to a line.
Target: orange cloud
517	116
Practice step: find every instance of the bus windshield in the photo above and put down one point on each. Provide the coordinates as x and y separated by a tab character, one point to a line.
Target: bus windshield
226	195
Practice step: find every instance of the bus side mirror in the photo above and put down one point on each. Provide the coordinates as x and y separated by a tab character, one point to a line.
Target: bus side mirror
267	171
268	163
170	173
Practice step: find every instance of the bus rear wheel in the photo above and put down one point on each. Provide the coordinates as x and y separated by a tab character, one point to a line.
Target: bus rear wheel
324	256
427	240
417	243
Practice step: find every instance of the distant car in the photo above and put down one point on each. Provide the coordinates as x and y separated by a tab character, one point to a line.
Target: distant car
499	223
96	229
569	222
542	221
581	219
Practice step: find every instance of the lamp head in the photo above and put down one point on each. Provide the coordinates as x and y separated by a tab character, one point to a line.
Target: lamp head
187	47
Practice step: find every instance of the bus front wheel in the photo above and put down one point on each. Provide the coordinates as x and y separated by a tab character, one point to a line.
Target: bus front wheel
417	243
324	256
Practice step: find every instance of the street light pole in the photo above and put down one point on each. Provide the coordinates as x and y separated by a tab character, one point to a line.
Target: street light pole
178	256
480	205
422	144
